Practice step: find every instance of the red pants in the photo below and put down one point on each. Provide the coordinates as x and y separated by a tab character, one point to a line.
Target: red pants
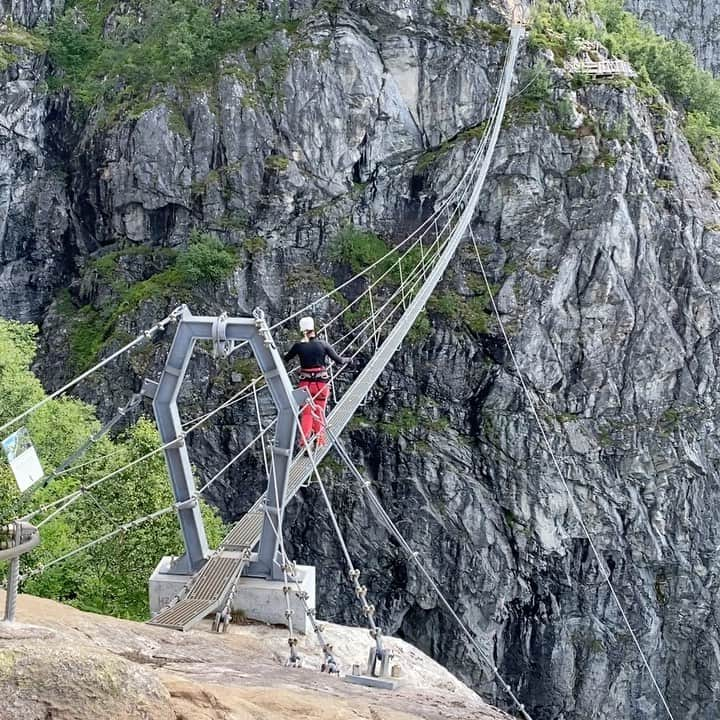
312	417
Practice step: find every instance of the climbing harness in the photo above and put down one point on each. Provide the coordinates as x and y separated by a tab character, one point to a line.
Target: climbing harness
314	374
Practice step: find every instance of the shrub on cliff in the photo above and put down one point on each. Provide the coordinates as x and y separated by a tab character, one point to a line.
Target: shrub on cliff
663	66
99	53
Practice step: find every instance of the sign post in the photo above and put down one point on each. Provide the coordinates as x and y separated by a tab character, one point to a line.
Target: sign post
16	539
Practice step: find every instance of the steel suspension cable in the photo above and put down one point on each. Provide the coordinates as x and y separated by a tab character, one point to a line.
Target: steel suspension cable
414	556
466	179
246	449
256	384
280	506
354	574
417	273
145	335
72	497
241	394
125	527
573	503
170	318
289	570
237	397
148	334
261	428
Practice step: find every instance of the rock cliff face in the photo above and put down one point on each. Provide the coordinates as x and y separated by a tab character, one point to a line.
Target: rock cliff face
697	23
35	212
604	244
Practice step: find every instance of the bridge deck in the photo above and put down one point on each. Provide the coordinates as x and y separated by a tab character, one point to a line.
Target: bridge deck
215	579
207	593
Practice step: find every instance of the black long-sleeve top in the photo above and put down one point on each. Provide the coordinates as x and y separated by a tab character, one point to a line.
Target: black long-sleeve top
312	353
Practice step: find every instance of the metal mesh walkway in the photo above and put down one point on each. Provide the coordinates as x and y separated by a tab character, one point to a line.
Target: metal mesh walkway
215	579
207	593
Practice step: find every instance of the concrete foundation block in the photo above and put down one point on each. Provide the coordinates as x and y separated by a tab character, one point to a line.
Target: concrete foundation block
264	600
164	585
259	599
373	682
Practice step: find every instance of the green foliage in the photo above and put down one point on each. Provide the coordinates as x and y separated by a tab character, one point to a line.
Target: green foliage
579	169
470	311
277	163
670	64
617	131
178	42
421	329
704	139
566	113
308	276
432	156
205	261
358	248
606	159
552	29
408	420
246	368
7	58
662	65
404	422
440	9
12	37
331	7
88	332
271	73
254	245
112	577
536	85
495	32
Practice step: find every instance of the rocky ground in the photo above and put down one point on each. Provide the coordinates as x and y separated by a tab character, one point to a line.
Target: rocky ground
57	662
602	238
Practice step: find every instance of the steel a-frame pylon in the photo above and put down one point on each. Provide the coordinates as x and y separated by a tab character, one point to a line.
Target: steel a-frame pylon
225	332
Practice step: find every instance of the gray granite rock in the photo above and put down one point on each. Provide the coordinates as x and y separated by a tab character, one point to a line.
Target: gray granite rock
602	241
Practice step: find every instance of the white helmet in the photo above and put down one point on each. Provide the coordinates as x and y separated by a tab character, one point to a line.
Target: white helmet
307	324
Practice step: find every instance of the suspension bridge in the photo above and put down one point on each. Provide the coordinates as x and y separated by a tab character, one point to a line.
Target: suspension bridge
397	289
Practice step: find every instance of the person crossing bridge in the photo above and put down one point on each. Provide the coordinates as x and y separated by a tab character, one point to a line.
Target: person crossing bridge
313	354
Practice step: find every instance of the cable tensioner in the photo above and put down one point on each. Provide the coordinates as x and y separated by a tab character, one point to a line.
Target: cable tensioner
330	665
294	660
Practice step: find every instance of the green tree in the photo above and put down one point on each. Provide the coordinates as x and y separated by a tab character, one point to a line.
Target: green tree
112	576
207	259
